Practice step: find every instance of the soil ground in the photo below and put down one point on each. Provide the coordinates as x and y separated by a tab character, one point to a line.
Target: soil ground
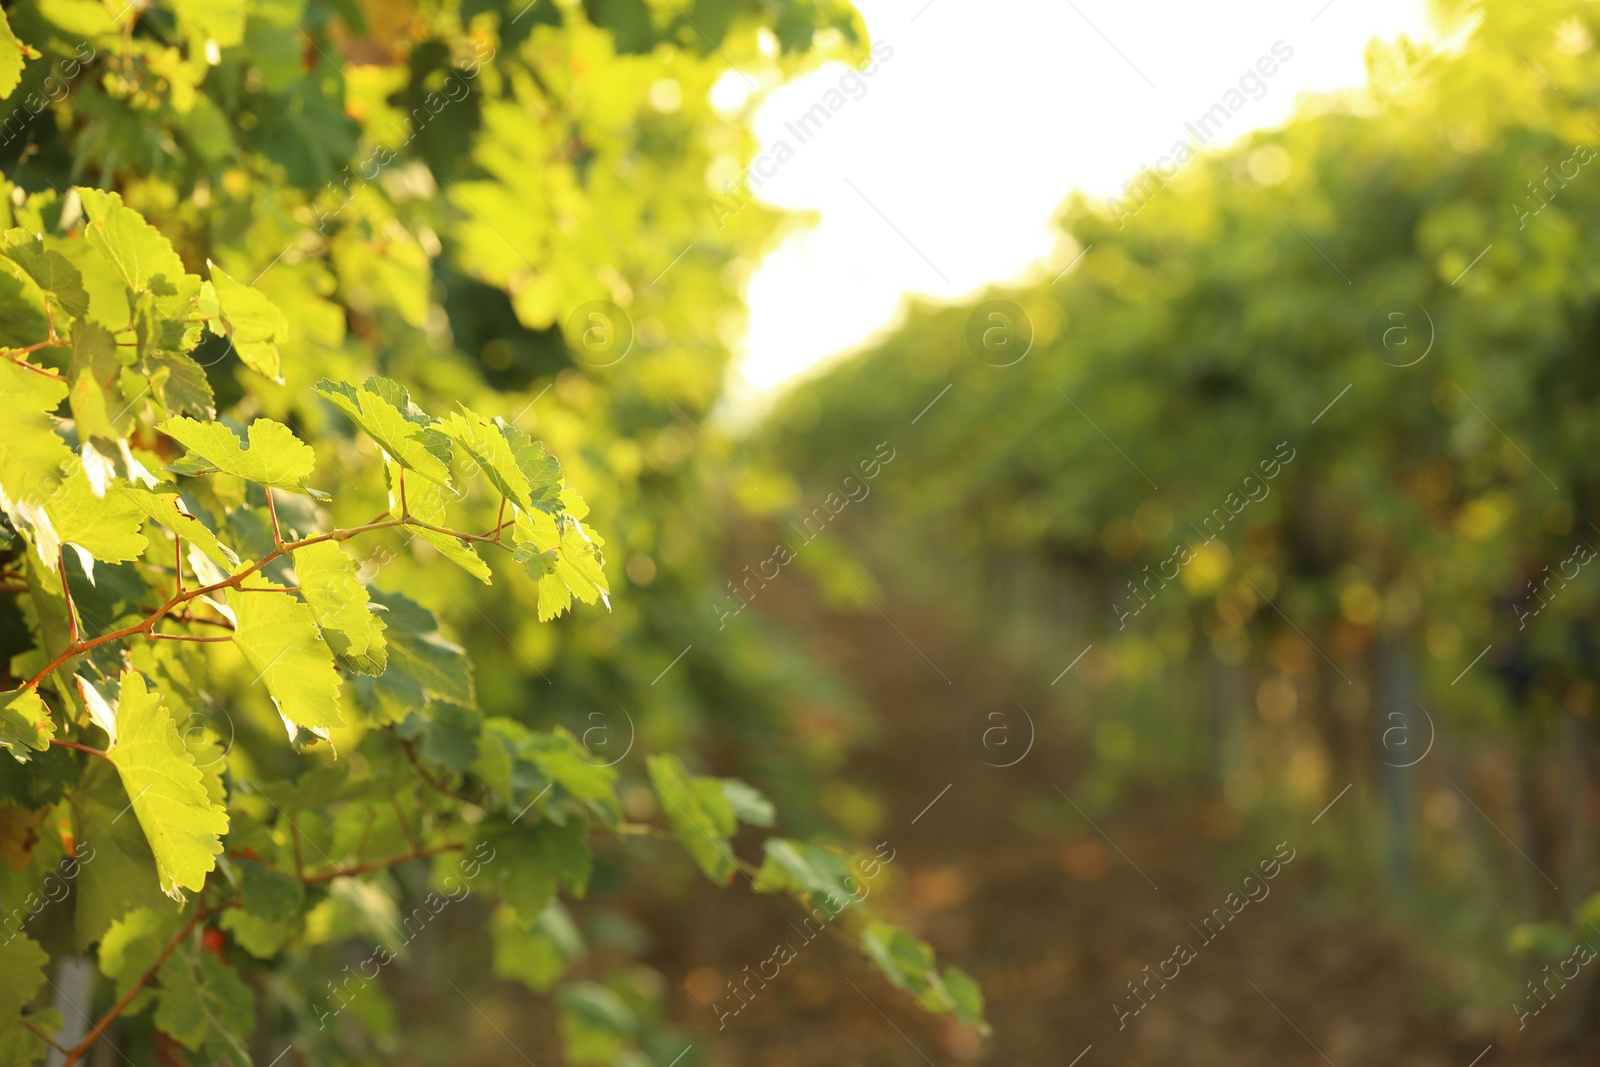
1054	915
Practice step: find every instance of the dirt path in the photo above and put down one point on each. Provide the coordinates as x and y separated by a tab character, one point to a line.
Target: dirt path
1055	914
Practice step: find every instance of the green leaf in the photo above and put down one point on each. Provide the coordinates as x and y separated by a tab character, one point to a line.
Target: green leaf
134	942
156	326
564	559
562	760
262	938
25	723
280	640
903	959
426	501
143	257
449	733
208	19
513	462
748	802
596	1024
909	964
31	453
106	527
181	1012
440	668
12	53
268	893
121	875
40	782
95	373
699	814
22	964
327	579
275	456
166	507
966	996
203	1004
179	383
422	665
169	798
270	908
51	271
254	323
528	861
808	870
101	713
383	409
536	955
230	1008
86	18
21	1047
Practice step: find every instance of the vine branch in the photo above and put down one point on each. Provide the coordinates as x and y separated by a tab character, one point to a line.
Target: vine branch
76	1053
81	748
146	627
317	877
42	1036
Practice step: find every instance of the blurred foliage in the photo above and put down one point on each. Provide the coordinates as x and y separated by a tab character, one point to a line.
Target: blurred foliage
1309	427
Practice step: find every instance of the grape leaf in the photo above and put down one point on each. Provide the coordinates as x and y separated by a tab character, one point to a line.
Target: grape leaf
809	870
422	664
203	1002
535	954
262	938
51	271
132	944
165	507
449	733
327	580
748	803
21	972
255	324
42	781
180	383
596	1024
101	713
25	723
562	760
384	410
183	826
31	453
106	527
564	559
513	462
528	861
699	814
142	256
122	875
426	501
271	902
966	997
280	640
221	22
12	52
95	371
518	762
268	893
275	457
908	963
23	1047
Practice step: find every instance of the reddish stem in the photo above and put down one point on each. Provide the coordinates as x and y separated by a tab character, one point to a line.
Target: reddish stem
77	1052
80	748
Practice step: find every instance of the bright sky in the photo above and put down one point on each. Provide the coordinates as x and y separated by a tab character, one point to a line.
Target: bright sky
942	174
